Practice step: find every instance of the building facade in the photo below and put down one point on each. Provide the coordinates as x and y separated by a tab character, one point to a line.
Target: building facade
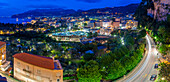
4	65
33	68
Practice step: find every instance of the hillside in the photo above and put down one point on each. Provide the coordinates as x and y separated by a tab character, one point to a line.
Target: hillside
122	10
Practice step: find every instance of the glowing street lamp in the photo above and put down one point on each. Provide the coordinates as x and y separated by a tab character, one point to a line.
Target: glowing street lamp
162	78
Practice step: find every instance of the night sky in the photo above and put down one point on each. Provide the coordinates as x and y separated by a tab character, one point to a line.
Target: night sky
10	7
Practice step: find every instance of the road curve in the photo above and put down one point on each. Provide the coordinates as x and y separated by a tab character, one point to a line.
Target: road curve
143	73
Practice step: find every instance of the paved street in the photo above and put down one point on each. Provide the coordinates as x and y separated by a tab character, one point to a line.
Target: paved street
146	69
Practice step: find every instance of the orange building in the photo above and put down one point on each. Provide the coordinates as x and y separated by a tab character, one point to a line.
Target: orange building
34	68
4	65
116	24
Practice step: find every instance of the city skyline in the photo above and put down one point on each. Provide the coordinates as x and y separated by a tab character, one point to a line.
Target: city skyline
11	7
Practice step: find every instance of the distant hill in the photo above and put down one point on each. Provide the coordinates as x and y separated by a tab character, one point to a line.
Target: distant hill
44	12
122	10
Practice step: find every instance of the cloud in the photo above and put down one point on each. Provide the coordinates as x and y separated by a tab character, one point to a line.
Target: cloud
44	6
90	1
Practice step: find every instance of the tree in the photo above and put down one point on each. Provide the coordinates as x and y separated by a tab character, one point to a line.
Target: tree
118	54
129	40
88	56
95	34
165	71
90	35
163	49
142	33
127	63
105	60
85	24
115	70
134	61
89	72
125	49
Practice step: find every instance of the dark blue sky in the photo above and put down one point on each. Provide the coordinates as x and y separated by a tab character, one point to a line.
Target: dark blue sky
10	7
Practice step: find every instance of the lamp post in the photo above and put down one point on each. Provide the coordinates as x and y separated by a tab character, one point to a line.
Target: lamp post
162	78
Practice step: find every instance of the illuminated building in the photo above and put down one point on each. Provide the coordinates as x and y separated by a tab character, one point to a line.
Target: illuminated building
131	24
107	23
4	65
34	68
116	24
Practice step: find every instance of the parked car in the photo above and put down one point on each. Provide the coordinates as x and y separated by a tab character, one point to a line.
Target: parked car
156	66
153	77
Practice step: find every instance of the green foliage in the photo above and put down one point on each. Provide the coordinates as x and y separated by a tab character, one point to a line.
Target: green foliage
125	49
115	70
89	72
68	78
141	13
127	63
164	34
88	56
165	71
129	40
105	60
142	33
118	53
168	19
85	24
95	34
90	34
163	49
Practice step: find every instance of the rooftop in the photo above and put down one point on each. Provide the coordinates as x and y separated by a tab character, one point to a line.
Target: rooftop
40	61
2	43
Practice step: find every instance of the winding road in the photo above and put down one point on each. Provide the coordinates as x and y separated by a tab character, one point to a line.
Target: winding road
143	72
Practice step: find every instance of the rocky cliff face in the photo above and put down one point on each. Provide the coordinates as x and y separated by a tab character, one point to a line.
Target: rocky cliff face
160	10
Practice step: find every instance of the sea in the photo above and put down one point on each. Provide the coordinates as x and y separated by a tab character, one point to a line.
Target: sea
13	20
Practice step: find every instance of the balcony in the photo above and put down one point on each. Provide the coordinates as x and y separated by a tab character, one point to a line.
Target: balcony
3	61
5	66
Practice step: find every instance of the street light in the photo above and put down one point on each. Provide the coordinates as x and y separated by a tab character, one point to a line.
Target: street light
162	78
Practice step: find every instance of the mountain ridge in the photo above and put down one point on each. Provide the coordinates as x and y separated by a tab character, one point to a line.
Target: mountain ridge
71	12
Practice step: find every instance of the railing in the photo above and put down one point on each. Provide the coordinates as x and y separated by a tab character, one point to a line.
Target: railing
3	61
5	64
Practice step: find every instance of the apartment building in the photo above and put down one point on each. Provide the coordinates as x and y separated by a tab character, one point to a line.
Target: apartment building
34	68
